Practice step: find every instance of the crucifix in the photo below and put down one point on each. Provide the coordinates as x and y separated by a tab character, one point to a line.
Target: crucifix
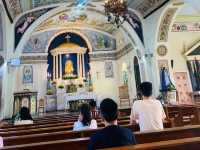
68	37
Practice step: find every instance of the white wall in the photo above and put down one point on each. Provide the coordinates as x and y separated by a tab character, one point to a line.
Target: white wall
104	87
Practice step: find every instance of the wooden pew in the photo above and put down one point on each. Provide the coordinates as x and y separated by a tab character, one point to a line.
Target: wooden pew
171	133
180	144
24	139
47	129
82	144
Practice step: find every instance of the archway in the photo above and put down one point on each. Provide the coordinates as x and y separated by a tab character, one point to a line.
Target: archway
68	59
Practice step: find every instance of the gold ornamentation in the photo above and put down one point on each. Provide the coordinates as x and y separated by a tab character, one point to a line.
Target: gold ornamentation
162	50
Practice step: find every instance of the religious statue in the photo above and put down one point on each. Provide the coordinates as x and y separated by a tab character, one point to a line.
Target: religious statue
69	69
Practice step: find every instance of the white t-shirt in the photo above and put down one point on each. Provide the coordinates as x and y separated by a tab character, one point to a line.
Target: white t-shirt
149	113
79	126
1	142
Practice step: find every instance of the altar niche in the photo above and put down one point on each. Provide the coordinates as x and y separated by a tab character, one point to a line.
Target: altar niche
68	60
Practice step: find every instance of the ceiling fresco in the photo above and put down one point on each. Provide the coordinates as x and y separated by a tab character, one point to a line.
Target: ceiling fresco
15	7
38	42
86	19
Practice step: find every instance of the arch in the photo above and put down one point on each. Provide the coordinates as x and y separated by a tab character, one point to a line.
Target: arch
70	31
2	30
61	8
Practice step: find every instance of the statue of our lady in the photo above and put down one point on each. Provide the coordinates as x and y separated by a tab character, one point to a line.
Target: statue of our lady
69	69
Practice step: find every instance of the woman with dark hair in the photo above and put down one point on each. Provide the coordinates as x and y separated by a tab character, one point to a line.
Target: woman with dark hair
24	117
85	120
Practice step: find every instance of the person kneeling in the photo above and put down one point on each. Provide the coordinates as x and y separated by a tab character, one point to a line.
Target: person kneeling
112	135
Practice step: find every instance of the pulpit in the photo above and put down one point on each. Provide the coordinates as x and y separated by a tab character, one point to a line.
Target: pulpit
25	99
124	95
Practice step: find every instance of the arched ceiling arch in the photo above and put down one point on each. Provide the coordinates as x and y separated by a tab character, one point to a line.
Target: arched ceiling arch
17	7
92	18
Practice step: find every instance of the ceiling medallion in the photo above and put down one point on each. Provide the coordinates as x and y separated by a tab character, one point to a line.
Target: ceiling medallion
116	11
162	50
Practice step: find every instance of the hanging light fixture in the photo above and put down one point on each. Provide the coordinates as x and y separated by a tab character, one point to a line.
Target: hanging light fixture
116	11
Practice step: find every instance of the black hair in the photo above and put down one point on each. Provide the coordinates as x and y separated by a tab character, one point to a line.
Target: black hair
109	110
25	114
92	103
146	89
85	112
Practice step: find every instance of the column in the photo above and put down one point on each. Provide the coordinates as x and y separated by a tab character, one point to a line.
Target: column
60	66
81	69
54	68
78	67
83	63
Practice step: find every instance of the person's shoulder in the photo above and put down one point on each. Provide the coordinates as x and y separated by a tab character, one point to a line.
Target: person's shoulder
137	102
97	135
125	130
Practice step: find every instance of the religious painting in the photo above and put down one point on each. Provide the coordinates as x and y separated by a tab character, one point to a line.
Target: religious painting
146	7
26	21
109	71
1	31
38	3
183	87
186	27
85	19
162	50
100	41
38	42
165	24
27	74
136	24
13	8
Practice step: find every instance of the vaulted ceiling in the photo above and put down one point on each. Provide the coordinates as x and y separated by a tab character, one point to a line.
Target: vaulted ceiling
16	7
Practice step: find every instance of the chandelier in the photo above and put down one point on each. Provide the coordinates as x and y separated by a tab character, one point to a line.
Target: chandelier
116	11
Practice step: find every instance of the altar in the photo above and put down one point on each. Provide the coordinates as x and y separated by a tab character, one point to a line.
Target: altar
74	100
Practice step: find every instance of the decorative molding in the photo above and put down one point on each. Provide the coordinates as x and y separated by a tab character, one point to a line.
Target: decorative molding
33	59
147	7
165	24
186	27
111	55
162	50
13	8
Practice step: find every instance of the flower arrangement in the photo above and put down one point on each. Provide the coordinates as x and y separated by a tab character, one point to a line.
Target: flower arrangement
61	86
49	92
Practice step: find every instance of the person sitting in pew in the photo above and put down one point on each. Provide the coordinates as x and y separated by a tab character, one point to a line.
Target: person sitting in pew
149	111
112	135
24	117
85	120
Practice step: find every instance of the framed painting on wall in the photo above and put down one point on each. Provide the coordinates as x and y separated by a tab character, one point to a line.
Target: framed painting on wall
27	74
109	72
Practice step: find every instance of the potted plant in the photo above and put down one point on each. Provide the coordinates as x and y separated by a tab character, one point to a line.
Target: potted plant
49	92
61	86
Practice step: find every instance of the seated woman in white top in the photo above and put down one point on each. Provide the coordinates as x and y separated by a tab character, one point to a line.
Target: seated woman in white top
85	120
148	112
25	117
1	142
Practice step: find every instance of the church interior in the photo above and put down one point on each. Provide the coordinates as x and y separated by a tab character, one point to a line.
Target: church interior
58	54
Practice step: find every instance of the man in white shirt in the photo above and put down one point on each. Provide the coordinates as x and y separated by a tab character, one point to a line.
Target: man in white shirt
148	112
